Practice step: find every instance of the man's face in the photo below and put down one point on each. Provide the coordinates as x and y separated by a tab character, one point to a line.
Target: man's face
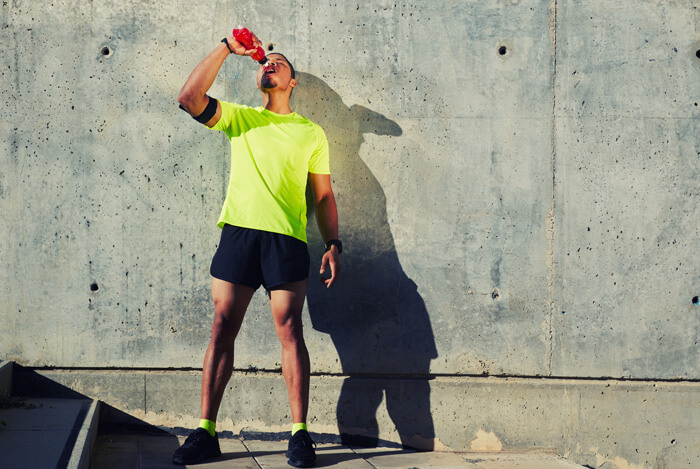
276	73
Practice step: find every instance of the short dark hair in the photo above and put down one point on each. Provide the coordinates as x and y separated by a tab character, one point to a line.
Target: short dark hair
291	67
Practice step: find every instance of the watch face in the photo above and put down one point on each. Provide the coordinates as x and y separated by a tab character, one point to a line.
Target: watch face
337	243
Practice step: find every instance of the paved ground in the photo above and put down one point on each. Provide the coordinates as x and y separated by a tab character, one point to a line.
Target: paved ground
155	452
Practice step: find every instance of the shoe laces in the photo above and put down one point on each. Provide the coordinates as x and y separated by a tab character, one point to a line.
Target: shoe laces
197	436
302	438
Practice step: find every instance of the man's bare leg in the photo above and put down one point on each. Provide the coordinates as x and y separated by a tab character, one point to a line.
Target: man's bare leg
287	304
230	304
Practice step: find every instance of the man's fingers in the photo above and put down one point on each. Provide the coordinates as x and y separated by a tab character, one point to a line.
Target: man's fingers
330	259
335	270
324	263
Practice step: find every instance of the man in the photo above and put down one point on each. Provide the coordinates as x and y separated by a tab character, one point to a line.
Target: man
274	152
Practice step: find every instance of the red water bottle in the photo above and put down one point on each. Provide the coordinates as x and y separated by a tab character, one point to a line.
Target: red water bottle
243	36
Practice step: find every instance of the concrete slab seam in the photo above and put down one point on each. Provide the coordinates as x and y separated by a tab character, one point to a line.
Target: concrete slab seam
550	219
385	377
365	459
250	453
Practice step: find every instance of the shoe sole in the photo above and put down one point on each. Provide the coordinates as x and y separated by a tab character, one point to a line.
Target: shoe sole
299	463
184	462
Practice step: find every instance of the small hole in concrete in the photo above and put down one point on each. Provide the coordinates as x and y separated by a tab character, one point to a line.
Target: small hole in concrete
697	53
503	50
94	287
696	301
270	47
495	294
105	51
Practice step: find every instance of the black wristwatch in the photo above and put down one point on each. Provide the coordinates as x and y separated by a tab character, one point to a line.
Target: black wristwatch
228	46
334	242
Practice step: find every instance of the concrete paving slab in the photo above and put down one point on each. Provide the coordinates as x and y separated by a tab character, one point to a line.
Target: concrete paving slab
115	453
271	455
339	456
268	454
120	451
517	461
385	458
157	452
234	454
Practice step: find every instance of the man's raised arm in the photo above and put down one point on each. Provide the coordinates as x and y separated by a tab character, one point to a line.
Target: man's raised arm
193	95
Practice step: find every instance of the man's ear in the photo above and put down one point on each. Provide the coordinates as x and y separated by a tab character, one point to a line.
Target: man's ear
293	83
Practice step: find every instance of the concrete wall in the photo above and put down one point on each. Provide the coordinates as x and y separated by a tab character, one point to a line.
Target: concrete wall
517	183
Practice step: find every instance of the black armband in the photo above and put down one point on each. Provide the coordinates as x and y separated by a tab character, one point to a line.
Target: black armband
208	112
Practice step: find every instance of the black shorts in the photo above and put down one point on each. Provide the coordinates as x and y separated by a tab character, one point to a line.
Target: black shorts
254	257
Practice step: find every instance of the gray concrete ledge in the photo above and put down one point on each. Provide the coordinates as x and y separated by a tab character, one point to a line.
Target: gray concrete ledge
84	444
586	421
5	378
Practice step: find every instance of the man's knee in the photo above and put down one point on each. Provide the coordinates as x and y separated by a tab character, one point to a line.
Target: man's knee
223	332
223	305
226	325
290	331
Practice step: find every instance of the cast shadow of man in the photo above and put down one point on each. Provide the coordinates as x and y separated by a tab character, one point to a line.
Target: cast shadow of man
374	315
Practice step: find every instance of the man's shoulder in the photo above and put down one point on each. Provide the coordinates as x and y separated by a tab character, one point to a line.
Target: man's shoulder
305	120
236	106
229	111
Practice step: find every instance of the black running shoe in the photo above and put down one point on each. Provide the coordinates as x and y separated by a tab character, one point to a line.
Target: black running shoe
200	445
301	450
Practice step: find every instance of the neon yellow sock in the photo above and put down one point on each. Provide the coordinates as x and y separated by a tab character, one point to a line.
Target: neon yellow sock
209	426
298	426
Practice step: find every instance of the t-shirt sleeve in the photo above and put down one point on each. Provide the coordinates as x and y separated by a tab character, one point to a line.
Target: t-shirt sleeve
228	111
319	162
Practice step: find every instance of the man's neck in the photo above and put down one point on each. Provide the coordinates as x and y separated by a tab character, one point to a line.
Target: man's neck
279	104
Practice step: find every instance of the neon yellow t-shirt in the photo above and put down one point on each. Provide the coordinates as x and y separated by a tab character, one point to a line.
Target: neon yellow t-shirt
271	156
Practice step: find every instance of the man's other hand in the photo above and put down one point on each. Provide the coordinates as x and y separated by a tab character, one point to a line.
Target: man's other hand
330	259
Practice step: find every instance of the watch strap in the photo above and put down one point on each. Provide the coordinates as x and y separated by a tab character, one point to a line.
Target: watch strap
228	46
335	242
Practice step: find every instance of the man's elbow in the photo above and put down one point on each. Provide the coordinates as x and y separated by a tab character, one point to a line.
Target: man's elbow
191	100
323	198
186	100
